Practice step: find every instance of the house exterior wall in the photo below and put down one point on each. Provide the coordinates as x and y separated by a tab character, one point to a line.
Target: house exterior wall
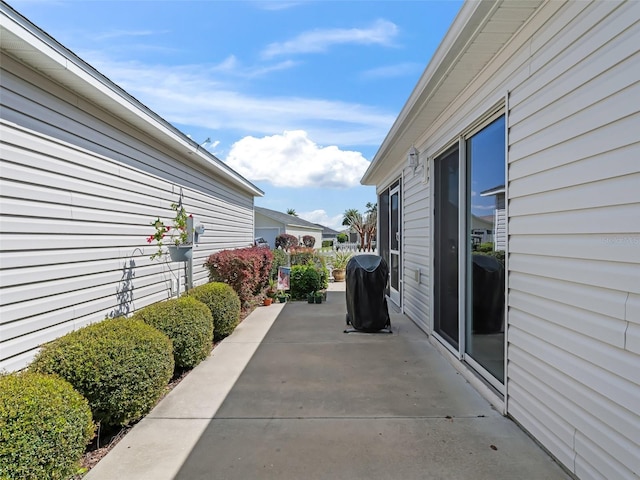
574	238
566	81
268	228
79	188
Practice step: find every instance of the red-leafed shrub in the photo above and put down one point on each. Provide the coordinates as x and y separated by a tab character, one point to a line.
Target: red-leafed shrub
286	241
245	269
309	241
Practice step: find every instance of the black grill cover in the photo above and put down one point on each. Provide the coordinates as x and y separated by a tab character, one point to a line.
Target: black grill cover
366	277
488	294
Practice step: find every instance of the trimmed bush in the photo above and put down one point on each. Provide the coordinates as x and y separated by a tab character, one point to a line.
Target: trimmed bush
245	269
308	241
224	304
121	366
327	243
305	279
286	241
45	426
189	325
342	237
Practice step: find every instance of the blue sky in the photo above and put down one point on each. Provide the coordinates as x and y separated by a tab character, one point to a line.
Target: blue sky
296	96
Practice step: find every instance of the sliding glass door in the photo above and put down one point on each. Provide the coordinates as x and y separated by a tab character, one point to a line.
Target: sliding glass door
469	248
485	219
446	235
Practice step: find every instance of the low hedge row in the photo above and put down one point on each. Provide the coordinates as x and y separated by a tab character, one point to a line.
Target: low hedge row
121	366
44	427
224	304
189	325
112	372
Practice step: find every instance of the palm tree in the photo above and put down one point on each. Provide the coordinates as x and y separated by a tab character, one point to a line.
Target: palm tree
365	226
292	211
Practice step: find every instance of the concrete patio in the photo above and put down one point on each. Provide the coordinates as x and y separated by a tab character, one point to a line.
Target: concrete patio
290	396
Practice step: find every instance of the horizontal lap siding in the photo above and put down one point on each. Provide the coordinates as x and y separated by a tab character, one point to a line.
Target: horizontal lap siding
415	213
78	192
574	240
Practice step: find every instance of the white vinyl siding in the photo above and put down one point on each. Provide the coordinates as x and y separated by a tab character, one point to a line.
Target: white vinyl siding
574	229
78	191
571	79
416	249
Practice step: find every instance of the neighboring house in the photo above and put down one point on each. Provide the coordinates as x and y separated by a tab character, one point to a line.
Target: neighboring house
499	221
85	168
541	97
271	223
328	234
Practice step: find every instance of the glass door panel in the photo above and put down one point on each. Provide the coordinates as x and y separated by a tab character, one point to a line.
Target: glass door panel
394	265
446	236
485	220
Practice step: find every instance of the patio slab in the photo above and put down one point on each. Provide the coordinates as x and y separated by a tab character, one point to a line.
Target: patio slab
289	395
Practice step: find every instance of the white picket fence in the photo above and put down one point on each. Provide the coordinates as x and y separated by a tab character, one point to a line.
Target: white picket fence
353	247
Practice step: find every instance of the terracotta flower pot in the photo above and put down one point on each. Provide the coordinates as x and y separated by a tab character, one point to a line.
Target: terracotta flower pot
267	301
338	274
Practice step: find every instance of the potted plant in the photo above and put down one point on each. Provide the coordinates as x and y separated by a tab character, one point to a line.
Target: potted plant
318	296
339	264
311	297
267	301
178	248
272	289
282	296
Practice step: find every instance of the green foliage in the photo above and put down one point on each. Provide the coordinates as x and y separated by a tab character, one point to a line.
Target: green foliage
485	247
305	279
342	237
189	325
327	243
340	260
224	304
44	427
280	259
121	366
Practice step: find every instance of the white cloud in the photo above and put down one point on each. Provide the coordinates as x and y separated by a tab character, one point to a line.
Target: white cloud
323	218
294	160
209	97
380	32
390	71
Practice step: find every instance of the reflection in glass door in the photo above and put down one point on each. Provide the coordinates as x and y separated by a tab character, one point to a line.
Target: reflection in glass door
446	234
486	227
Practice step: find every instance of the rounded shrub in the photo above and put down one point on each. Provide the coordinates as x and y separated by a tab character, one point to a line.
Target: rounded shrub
121	366
45	426
305	279
224	304
187	322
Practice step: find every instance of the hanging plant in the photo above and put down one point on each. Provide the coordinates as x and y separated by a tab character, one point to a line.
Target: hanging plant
178	235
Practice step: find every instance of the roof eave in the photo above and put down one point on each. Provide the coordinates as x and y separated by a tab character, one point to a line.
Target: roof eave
35	48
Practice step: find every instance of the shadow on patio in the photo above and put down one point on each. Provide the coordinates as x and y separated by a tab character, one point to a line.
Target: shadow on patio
315	403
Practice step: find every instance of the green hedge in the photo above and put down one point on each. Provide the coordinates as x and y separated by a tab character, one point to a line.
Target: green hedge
189	325
305	279
121	366
45	426
224	304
